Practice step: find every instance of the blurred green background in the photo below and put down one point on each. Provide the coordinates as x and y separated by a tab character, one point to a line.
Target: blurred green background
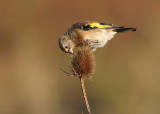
127	74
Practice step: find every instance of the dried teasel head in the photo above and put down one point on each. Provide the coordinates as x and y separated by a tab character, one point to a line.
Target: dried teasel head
83	62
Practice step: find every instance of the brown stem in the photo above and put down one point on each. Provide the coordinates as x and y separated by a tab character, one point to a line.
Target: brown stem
85	95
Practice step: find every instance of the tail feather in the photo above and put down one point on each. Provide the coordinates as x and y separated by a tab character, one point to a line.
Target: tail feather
119	30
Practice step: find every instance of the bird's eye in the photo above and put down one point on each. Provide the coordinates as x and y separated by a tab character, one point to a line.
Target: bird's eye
66	46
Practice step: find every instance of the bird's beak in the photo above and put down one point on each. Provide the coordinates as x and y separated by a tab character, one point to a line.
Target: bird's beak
71	51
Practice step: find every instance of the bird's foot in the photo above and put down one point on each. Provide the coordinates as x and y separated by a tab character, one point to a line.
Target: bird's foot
93	49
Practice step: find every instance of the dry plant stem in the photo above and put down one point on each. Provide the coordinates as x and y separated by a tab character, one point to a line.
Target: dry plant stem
83	91
84	94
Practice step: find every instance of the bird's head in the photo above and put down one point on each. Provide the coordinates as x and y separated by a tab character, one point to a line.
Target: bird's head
66	44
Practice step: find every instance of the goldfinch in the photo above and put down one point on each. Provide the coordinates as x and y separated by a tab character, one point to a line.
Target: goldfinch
94	33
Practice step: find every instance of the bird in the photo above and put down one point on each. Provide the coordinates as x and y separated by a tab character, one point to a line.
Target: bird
94	34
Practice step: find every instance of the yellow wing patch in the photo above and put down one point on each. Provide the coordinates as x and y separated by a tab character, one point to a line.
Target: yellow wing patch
95	24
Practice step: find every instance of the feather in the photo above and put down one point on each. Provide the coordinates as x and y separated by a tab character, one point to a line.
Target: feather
119	30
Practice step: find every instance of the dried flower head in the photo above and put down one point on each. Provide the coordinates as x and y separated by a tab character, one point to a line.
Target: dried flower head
83	62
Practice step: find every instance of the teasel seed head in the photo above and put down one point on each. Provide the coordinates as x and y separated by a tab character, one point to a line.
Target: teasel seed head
83	62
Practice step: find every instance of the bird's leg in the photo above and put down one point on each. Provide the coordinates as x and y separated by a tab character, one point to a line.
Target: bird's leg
90	42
